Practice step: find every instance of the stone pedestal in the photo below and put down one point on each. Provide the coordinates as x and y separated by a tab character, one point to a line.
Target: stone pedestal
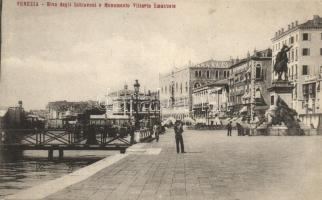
282	89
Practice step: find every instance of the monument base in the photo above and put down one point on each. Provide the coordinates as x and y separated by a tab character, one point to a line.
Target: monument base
282	89
281	116
278	130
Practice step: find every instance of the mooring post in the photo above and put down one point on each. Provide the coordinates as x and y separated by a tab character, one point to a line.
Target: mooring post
122	151
61	153
50	154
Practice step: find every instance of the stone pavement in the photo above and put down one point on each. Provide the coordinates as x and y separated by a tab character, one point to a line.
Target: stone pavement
214	167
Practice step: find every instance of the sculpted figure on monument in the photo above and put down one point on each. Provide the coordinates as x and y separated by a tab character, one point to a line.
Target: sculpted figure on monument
281	61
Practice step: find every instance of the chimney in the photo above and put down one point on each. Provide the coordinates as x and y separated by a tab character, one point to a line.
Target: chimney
282	30
20	104
316	19
276	34
292	24
289	27
296	23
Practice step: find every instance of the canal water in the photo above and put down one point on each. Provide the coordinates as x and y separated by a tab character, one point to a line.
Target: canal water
21	171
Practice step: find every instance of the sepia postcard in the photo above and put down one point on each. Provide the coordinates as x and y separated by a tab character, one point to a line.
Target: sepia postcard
161	99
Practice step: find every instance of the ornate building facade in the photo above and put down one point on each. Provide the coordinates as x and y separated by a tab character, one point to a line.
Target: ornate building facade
248	83
305	66
176	87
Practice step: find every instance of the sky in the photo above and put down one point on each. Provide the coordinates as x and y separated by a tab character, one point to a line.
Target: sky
78	54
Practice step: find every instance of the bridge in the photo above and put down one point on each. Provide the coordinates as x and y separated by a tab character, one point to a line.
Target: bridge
65	139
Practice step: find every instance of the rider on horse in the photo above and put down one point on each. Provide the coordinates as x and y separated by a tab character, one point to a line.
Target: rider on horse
281	61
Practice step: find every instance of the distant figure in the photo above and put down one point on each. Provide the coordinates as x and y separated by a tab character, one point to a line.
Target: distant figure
156	132
178	130
132	130
229	128
239	129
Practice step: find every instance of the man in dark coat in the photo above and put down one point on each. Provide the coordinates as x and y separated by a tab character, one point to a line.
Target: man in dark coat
178	130
229	128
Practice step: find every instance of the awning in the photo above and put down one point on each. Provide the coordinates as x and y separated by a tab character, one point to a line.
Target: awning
244	109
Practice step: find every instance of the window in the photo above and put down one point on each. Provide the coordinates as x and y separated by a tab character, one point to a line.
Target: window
258	71
199	73
305	70
320	51
296	71
296	54
291	41
305	51
272	100
176	87
224	74
186	86
292	55
181	88
292	71
305	36
217	74
196	73
227	73
208	74
165	89
296	37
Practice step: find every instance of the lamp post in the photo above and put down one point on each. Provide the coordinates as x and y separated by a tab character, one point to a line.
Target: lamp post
136	94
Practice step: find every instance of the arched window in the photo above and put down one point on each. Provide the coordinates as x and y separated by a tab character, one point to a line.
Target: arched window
186	86
199	73
208	74
181	88
258	93
165	89
196	73
196	85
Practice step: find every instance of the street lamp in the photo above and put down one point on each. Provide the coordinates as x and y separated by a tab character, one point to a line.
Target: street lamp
136	93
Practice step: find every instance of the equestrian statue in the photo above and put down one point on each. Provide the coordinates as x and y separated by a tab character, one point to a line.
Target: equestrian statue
281	61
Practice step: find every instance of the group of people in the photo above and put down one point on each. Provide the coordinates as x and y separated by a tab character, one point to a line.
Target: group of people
241	131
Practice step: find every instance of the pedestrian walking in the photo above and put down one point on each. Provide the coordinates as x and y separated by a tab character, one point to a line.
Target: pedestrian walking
229	128
178	130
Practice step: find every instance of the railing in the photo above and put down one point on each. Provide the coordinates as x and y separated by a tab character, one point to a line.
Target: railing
61	137
145	134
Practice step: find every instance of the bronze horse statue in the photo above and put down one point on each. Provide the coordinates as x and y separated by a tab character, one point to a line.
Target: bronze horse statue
281	61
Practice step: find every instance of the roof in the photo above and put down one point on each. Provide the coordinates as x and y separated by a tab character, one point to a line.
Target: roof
265	54
214	64
3	113
315	23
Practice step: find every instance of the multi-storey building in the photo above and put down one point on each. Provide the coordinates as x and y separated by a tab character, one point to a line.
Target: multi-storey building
177	86
248	83
125	102
209	102
305	66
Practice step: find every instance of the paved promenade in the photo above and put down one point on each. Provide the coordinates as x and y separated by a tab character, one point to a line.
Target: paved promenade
214	167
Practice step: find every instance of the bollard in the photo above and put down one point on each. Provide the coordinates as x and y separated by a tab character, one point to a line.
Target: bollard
61	153
137	136
50	154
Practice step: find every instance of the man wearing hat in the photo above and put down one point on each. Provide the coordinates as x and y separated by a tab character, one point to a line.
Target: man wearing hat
178	130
